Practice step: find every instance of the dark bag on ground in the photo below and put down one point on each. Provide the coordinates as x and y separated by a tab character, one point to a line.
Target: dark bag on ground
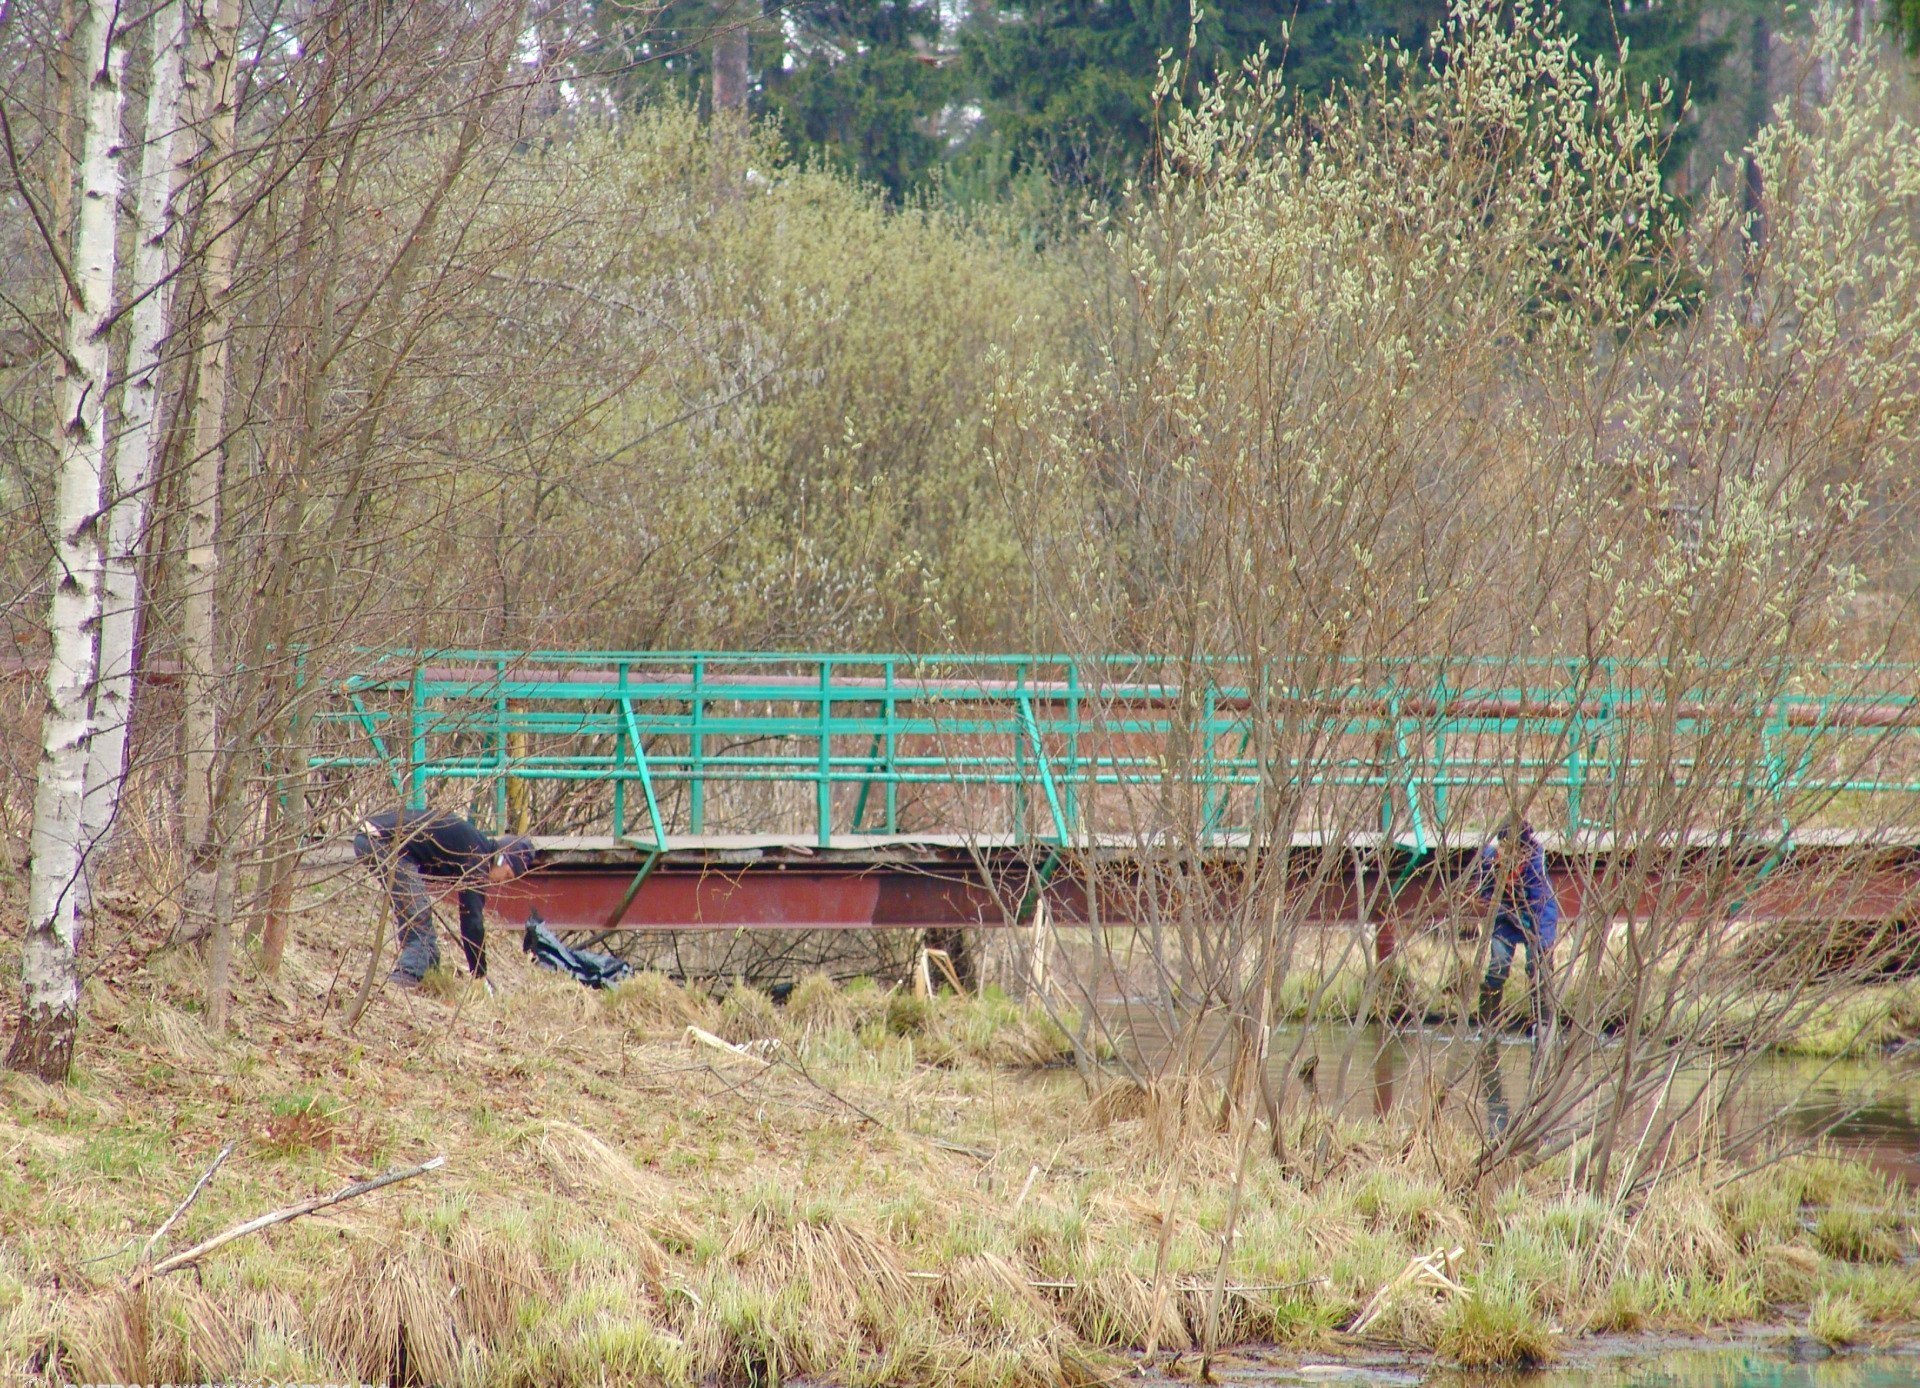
594	970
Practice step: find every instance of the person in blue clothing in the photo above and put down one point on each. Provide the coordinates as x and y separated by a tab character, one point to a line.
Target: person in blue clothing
1513	880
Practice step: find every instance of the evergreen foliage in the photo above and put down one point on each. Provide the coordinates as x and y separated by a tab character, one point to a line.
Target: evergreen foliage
904	93
1070	82
1903	16
864	90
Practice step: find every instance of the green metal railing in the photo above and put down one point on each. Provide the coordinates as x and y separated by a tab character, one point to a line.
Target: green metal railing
1058	740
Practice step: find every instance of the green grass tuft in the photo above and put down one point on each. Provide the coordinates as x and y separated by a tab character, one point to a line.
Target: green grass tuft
1857	1235
1496	1325
1836	1321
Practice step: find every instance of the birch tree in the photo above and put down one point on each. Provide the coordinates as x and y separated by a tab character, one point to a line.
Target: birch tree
137	441
50	985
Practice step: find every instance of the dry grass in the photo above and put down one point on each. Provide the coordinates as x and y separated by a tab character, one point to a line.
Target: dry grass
904	1198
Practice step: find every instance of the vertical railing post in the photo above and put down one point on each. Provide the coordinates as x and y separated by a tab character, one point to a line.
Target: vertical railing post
1576	740
1383	741
892	787
697	752
1017	790
417	743
1602	728
501	765
823	785
620	760
1071	788
1411	785
1209	762
1609	712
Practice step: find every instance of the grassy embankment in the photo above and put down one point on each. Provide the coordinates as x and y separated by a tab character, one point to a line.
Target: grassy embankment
901	1198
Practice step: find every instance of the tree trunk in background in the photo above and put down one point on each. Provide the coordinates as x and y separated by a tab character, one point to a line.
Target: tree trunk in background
549	26
286	834
389	344
519	788
730	60
230	810
67	95
1860	16
50	982
1753	196
213	62
270	682
303	386
137	442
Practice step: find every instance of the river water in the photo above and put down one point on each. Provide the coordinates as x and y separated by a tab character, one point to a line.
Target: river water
1867	1108
1725	1369
1743	1367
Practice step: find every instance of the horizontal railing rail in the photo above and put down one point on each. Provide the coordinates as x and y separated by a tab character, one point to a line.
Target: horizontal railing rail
850	735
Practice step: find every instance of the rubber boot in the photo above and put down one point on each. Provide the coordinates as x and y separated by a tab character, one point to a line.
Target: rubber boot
1486	1014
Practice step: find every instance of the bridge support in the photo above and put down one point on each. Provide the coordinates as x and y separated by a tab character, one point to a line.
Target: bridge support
946	885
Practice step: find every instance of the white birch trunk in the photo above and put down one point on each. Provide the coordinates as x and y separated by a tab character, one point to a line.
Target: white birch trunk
50	982
137	441
213	63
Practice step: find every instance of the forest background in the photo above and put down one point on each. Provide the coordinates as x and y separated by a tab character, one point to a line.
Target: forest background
771	405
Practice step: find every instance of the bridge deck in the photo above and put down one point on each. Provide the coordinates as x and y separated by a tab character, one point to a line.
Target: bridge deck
582	848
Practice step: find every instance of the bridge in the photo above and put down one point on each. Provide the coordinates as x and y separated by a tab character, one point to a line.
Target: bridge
705	791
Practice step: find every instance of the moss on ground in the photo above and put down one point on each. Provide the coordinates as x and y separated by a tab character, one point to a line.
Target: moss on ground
899	1191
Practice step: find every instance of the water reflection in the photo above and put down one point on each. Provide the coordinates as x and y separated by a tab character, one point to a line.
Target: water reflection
1709	1369
1493	1090
1691	1368
1868	1107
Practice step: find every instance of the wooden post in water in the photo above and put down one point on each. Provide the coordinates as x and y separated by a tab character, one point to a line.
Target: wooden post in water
1040	960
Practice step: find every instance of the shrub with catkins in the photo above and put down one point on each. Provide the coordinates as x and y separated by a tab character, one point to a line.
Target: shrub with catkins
1433	383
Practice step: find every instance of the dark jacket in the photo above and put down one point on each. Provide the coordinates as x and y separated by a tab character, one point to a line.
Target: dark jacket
446	847
435	842
1521	886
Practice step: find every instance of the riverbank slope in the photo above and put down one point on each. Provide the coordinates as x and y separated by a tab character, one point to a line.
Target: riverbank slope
882	1190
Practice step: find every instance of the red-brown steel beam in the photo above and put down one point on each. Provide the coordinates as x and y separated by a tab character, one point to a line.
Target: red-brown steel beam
753	898
948	891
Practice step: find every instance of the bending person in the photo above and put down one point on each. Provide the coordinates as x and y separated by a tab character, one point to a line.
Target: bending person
1513	880
406	848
